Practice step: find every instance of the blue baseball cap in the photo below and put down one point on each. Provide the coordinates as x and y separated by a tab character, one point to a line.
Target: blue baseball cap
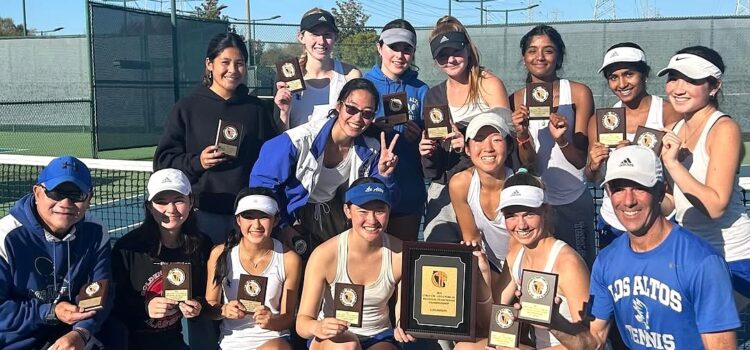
65	169
368	192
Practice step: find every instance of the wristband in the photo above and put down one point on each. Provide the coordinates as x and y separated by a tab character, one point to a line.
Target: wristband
84	334
562	146
521	142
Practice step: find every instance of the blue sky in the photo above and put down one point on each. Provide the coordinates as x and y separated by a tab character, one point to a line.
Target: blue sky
48	14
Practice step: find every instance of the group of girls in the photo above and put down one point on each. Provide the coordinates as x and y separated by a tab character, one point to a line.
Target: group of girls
352	191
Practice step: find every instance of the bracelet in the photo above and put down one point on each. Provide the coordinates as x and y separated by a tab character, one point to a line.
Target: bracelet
521	142
567	143
85	336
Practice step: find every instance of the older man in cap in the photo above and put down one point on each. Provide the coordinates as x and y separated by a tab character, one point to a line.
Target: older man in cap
49	250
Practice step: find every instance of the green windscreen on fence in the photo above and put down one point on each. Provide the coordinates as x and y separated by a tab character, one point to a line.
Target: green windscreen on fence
134	67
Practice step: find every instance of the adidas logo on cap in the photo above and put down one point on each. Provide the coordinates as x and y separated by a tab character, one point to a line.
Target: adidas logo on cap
444	39
166	180
322	19
613	54
515	193
626	162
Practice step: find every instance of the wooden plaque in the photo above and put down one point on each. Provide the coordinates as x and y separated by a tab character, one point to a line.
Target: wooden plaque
539	100
93	296
348	302
395	109
503	327
610	125
177	281
437	121
538	290
251	291
228	137
289	71
650	138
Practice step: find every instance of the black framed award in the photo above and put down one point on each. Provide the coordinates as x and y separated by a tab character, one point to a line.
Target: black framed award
177	281
539	100
438	292
503	327
538	290
289	71
437	121
650	138
93	296
348	301
251	292
610	125
228	137
395	110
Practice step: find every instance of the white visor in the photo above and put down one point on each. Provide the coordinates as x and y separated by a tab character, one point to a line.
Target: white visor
258	202
623	54
692	66
522	195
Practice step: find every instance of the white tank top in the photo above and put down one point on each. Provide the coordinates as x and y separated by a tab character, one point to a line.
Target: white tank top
331	178
729	234
315	103
544	338
493	232
375	314
243	333
563	182
462	115
654	120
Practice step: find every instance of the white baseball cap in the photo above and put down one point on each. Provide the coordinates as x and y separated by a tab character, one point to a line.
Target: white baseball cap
623	54
168	180
692	66
497	118
636	163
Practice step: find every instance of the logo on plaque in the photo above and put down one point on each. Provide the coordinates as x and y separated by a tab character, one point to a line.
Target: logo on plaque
252	288
504	318
176	276
92	288
395	105
439	279
610	120
436	115
647	139
538	287
231	133
287	69
348	297
540	94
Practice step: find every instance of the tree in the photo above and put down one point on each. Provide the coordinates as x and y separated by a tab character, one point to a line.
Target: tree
359	49
8	28
350	18
209	9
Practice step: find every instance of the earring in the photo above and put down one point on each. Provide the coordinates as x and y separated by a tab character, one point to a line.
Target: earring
210	75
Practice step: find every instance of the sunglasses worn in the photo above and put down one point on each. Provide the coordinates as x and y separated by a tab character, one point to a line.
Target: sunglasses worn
366	114
57	195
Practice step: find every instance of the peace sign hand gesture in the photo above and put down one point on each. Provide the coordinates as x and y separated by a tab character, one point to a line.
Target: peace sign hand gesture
388	159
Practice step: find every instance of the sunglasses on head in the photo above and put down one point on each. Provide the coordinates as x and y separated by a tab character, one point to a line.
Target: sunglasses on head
58	195
365	114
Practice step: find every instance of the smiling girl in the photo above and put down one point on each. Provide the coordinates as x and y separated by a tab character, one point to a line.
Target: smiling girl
324	76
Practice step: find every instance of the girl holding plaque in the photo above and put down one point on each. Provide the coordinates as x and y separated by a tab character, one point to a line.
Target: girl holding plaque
190	134
363	255
169	233
527	219
250	250
556	147
626	71
702	154
396	47
309	166
324	76
469	90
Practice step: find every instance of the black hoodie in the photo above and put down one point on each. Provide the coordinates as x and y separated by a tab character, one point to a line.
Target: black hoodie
192	126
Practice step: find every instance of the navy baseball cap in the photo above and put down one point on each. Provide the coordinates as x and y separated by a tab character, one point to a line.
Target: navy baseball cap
368	192
315	19
453	40
65	169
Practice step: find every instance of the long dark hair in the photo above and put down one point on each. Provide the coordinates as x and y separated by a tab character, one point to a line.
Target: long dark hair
553	35
640	66
235	234
217	44
189	239
401	24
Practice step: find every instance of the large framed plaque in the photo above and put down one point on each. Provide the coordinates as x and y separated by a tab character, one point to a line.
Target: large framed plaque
610	125
438	291
177	281
650	138
252	292
503	327
395	110
437	121
228	137
348	303
290	72
93	296
538	290
539	100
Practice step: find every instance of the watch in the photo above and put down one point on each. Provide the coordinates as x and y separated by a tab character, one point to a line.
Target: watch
51	318
85	335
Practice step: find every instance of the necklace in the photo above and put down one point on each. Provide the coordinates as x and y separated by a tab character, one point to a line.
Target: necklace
256	262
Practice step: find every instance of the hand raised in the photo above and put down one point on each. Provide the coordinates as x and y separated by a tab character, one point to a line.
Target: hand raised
388	159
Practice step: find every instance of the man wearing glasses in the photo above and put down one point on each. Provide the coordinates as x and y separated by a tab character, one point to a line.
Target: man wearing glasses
49	249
